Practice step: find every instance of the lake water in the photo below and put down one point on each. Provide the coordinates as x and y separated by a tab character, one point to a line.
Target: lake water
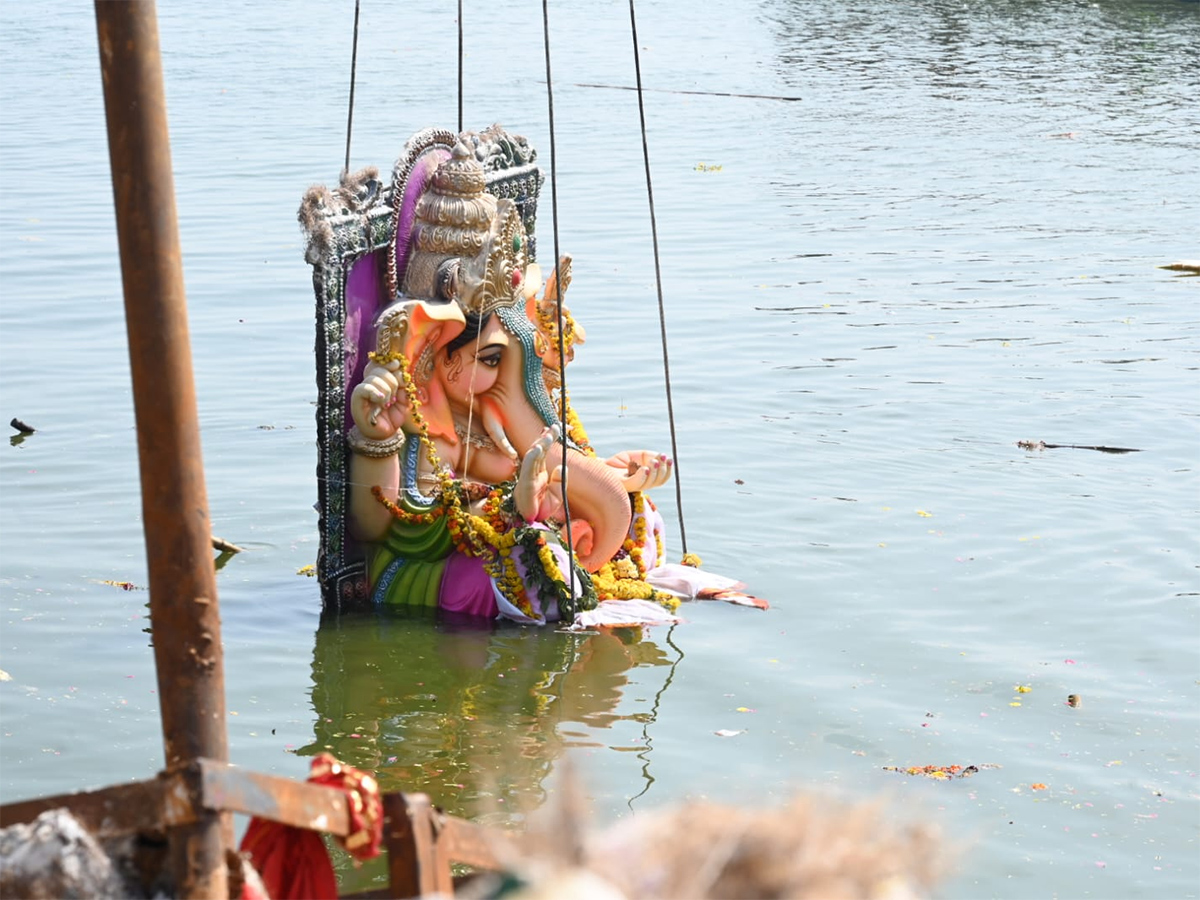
949	244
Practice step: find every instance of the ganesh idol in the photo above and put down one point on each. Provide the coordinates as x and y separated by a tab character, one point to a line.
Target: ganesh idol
461	488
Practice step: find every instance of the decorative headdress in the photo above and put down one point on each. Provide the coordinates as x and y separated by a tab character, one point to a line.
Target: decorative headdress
468	246
496	276
453	218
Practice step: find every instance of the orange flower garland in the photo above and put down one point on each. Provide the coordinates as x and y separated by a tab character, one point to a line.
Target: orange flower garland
616	581
403	515
493	535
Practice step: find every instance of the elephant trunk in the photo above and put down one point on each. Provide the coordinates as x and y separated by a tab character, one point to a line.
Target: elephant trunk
596	496
523	409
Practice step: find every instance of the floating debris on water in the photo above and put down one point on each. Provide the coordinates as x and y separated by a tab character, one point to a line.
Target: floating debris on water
942	773
225	546
1189	266
1042	445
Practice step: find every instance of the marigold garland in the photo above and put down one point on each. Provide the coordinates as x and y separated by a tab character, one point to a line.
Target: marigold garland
630	589
491	536
575	430
403	515
548	324
497	532
624	576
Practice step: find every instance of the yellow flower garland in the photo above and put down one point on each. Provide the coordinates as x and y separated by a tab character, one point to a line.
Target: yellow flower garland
575	430
491	538
473	535
615	581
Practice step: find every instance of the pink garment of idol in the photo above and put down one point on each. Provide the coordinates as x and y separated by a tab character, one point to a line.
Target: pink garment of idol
467	587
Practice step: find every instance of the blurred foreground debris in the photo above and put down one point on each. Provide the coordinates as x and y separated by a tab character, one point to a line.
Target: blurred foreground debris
111	844
810	849
55	857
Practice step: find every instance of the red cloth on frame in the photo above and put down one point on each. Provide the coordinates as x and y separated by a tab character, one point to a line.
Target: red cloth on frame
293	862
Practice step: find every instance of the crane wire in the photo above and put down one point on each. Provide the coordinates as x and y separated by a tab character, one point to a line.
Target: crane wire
558	290
350	111
662	316
460	67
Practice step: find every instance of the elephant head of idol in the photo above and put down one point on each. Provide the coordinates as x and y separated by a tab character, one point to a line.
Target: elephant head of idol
476	357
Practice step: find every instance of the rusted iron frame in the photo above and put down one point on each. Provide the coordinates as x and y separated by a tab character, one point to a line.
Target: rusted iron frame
183	599
314	807
421	840
172	799
412	855
191	799
144	806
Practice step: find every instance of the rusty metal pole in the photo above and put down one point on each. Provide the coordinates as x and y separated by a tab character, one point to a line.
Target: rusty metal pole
184	616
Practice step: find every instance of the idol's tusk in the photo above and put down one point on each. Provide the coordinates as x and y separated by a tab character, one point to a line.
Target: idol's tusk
495	430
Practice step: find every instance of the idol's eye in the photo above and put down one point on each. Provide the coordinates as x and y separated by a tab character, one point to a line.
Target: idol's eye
491	357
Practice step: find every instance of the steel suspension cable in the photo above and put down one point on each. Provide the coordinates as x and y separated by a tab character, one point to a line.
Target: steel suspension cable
558	290
460	68
662	316
353	67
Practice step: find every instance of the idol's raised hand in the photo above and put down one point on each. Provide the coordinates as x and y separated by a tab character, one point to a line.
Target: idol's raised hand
641	470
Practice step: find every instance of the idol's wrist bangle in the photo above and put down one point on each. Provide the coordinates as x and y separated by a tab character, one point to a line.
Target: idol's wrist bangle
373	449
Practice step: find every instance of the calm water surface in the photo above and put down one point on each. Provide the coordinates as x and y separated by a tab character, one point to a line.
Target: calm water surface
949	244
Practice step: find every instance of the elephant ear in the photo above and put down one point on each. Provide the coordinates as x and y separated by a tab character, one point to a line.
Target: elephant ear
428	327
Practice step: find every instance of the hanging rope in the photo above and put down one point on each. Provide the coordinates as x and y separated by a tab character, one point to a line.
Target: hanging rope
460	67
558	285
662	316
350	113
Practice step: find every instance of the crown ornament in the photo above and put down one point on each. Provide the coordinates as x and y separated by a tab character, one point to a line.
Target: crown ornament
469	246
500	274
453	218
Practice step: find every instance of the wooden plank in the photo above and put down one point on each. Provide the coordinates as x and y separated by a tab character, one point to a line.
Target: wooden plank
312	806
401	846
433	869
152	805
460	841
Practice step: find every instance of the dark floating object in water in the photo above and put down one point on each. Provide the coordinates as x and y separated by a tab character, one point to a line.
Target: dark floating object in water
628	87
1188	266
1042	445
22	427
224	546
1074	701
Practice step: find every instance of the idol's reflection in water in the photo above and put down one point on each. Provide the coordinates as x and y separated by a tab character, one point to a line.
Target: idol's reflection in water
475	715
